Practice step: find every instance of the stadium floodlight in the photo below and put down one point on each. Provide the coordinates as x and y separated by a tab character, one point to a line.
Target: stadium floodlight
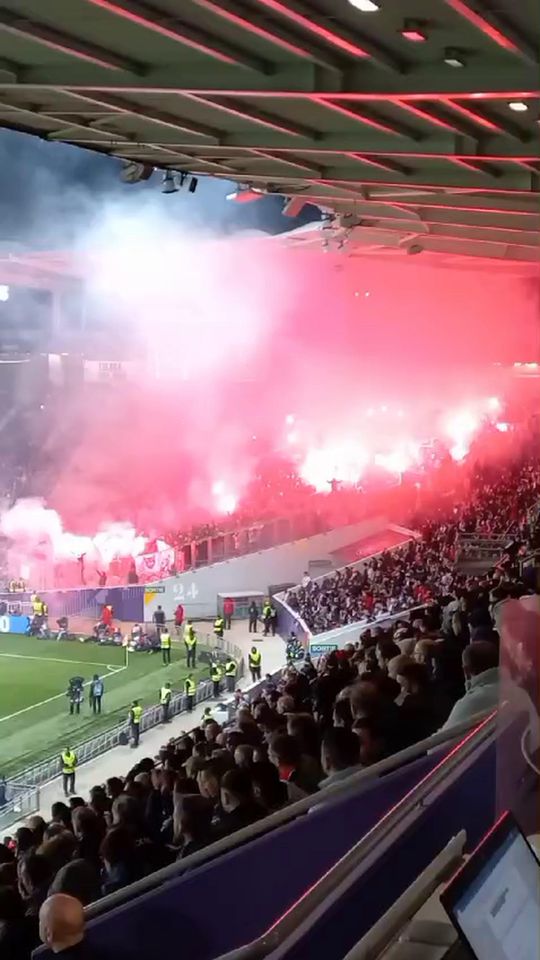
364	6
453	57
169	182
245	194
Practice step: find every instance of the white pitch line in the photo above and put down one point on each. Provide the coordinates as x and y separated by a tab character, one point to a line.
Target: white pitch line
24	656
57	696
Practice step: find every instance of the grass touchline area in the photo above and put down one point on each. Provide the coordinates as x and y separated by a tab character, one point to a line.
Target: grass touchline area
35	722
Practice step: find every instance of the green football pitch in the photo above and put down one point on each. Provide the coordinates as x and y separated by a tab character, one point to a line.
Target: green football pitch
35	722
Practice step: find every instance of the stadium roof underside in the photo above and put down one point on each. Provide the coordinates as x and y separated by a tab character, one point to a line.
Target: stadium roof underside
401	140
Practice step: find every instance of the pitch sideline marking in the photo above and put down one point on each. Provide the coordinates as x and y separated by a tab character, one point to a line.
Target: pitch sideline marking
57	696
24	656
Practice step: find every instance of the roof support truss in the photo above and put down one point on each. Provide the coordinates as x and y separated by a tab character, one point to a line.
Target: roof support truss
142	15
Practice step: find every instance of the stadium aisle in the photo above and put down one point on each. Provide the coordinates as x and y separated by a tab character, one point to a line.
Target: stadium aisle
117	762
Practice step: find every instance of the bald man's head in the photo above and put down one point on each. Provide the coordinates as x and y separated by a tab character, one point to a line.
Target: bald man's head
61	922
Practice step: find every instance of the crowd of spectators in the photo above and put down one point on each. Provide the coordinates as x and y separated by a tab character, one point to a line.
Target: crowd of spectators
315	726
396	581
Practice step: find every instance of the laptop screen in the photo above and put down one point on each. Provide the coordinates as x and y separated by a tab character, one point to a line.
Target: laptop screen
495	901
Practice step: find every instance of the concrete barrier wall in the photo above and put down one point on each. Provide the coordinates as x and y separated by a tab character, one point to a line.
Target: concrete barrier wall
197	590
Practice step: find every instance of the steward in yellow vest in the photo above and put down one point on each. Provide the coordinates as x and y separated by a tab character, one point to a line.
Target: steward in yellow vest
134	717
69	765
165	644
216	673
165	696
254	660
190	688
190	642
231	669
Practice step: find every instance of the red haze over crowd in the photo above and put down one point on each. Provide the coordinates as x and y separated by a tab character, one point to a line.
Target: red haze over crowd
248	349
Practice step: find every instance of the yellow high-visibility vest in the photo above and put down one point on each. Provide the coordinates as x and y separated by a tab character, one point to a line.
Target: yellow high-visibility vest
230	668
255	658
190	687
216	673
165	641
190	637
165	695
136	714
69	761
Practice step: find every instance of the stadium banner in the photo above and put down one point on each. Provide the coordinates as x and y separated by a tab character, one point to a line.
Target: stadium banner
158	564
10	624
110	371
321	649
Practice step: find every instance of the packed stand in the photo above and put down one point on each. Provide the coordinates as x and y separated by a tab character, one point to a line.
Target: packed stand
312	728
499	504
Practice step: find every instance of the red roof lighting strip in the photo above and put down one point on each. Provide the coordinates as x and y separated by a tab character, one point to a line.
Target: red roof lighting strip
328	36
477	20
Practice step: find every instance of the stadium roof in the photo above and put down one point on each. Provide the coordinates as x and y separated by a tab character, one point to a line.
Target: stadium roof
433	138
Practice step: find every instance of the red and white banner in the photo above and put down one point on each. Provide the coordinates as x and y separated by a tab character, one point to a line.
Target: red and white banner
155	565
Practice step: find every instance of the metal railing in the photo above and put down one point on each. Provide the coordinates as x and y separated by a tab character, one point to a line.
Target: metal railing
94	747
333	792
471	546
21	800
336	881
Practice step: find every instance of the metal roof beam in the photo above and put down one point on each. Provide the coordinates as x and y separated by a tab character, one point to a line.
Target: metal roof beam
494	26
419	111
438	143
463	123
457	231
176	159
251	115
478	166
487	123
515	182
303	80
367	117
172	27
291	160
353	43
251	22
450	218
150	114
381	163
509	206
62	43
12	70
74	126
475	116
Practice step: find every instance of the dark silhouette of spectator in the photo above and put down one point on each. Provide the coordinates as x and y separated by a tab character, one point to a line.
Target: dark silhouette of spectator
79	879
17	937
89	830
286	754
422	710
268	789
118	853
373	740
192	824
481	669
340	755
238	803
